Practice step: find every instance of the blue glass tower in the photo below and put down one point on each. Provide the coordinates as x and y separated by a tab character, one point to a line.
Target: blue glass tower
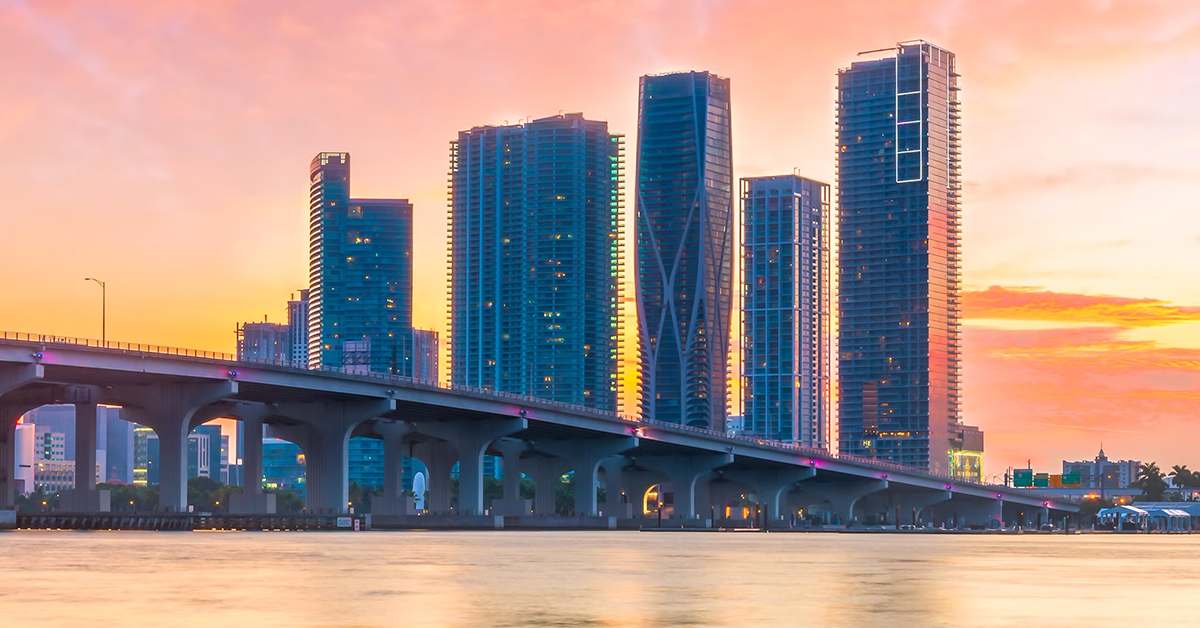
898	191
360	274
684	250
786	308
535	256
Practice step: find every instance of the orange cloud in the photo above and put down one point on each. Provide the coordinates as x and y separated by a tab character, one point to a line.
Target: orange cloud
1033	304
1049	395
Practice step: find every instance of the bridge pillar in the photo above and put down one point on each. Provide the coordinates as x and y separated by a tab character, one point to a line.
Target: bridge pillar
842	496
439	458
584	456
169	409
394	501
511	503
252	500
12	377
326	460
988	513
636	480
684	471
907	506
613	506
546	472
84	498
470	439
772	485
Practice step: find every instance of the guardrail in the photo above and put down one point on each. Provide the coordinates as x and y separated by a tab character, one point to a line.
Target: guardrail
475	391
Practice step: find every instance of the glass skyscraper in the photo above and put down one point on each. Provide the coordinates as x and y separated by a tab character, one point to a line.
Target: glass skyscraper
684	250
786	309
898	194
535	257
360	274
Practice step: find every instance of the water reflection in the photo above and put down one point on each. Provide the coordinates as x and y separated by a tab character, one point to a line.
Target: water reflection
564	579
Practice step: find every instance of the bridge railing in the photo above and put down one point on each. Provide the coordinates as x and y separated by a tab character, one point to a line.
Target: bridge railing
479	392
121	346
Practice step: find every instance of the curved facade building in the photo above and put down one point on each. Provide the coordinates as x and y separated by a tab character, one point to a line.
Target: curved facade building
684	234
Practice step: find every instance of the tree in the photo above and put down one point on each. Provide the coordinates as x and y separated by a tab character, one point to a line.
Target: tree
1150	481
1184	478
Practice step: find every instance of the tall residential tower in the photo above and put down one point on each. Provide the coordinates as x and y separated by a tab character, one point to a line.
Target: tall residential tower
360	274
535	256
786	310
684	247
898	194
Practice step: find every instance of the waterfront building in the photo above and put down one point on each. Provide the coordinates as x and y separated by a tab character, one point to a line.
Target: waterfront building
360	273
425	355
283	466
49	445
684	247
1103	473
535	257
899	183
786	308
365	465
24	458
263	342
204	452
297	330
145	456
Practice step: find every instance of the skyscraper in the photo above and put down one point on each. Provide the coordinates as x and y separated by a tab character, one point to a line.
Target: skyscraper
684	250
786	309
297	330
535	219
898	194
263	342
360	274
425	355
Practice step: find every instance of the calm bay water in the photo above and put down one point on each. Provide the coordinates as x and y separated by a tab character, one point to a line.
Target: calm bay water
469	579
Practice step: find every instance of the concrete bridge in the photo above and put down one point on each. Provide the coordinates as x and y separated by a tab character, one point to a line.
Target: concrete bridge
175	390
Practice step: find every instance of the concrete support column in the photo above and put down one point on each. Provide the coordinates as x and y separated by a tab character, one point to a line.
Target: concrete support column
637	480
772	485
12	377
988	513
685	471
85	446
9	413
252	448
471	439
172	464
439	458
394	501
612	506
511	503
842	496
84	497
584	456
252	500
546	472
169	410
907	506
330	425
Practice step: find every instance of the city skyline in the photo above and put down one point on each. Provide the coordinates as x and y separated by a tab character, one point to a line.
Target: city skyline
1052	246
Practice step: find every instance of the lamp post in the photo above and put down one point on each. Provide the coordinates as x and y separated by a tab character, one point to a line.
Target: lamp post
103	310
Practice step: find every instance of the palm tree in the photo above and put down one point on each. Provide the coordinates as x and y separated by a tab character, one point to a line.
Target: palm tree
1184	478
1150	480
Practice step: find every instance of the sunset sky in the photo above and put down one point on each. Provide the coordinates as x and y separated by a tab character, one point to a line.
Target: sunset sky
164	147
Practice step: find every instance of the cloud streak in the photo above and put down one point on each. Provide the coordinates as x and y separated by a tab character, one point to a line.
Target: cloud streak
1035	304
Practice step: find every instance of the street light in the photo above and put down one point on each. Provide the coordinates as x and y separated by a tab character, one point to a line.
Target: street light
103	310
